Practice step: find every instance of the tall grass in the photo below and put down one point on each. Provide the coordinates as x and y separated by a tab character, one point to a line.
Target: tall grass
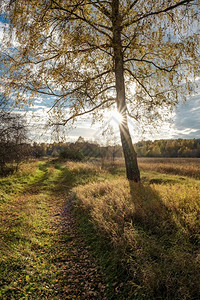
153	232
180	166
146	237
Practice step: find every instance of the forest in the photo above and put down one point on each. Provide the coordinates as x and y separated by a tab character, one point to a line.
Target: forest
15	149
87	149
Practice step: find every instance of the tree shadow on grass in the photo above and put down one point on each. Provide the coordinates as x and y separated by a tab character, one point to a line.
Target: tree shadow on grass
150	211
165	267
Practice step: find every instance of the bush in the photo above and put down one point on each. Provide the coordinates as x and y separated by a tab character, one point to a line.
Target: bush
72	153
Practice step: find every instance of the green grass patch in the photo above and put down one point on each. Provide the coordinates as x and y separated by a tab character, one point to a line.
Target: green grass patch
31	248
145	237
28	237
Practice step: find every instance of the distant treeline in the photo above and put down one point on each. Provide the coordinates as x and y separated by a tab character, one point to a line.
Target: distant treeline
76	151
14	148
83	149
169	148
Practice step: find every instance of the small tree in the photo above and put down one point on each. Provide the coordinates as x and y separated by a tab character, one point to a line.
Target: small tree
89	55
13	147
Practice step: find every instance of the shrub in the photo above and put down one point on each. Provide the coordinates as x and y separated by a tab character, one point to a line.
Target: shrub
72	153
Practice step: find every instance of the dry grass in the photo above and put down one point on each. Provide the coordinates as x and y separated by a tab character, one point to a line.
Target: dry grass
155	228
28	169
114	205
83	168
146	236
180	166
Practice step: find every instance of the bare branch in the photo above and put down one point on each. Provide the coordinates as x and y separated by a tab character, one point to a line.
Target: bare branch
101	8
85	112
167	69
140	83
171	7
132	116
101	47
99	93
43	60
59	7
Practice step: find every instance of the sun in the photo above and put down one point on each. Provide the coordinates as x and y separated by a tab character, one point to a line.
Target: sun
117	116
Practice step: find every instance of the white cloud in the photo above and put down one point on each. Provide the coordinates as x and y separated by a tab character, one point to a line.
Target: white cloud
38	101
6	37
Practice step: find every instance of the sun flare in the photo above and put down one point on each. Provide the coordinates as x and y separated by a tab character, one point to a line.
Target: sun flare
118	117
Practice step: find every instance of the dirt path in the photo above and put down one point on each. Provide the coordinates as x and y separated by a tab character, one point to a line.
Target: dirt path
81	277
42	256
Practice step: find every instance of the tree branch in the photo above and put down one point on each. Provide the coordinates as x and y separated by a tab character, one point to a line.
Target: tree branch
144	88
183	2
130	7
101	8
130	39
84	112
99	93
33	89
43	60
101	47
59	7
151	62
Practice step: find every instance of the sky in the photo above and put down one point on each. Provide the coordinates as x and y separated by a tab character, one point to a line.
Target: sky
184	121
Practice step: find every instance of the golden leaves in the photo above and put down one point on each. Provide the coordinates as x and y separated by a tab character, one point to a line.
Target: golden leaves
63	45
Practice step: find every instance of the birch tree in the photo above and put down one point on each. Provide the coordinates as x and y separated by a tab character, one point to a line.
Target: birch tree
90	55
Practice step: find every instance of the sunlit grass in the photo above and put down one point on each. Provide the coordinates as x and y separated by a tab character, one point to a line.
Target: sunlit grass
30	244
146	237
179	166
27	237
153	233
83	168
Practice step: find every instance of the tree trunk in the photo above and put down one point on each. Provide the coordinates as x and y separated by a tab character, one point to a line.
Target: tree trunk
130	155
132	170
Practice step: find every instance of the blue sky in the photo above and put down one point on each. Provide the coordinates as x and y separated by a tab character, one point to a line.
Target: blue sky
184	122
3	18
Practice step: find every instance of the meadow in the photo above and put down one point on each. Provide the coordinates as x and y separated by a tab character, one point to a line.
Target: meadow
142	240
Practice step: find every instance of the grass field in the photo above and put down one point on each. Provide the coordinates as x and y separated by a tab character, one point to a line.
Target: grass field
144	238
179	166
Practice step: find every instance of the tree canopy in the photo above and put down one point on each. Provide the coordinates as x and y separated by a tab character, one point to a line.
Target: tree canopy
89	55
